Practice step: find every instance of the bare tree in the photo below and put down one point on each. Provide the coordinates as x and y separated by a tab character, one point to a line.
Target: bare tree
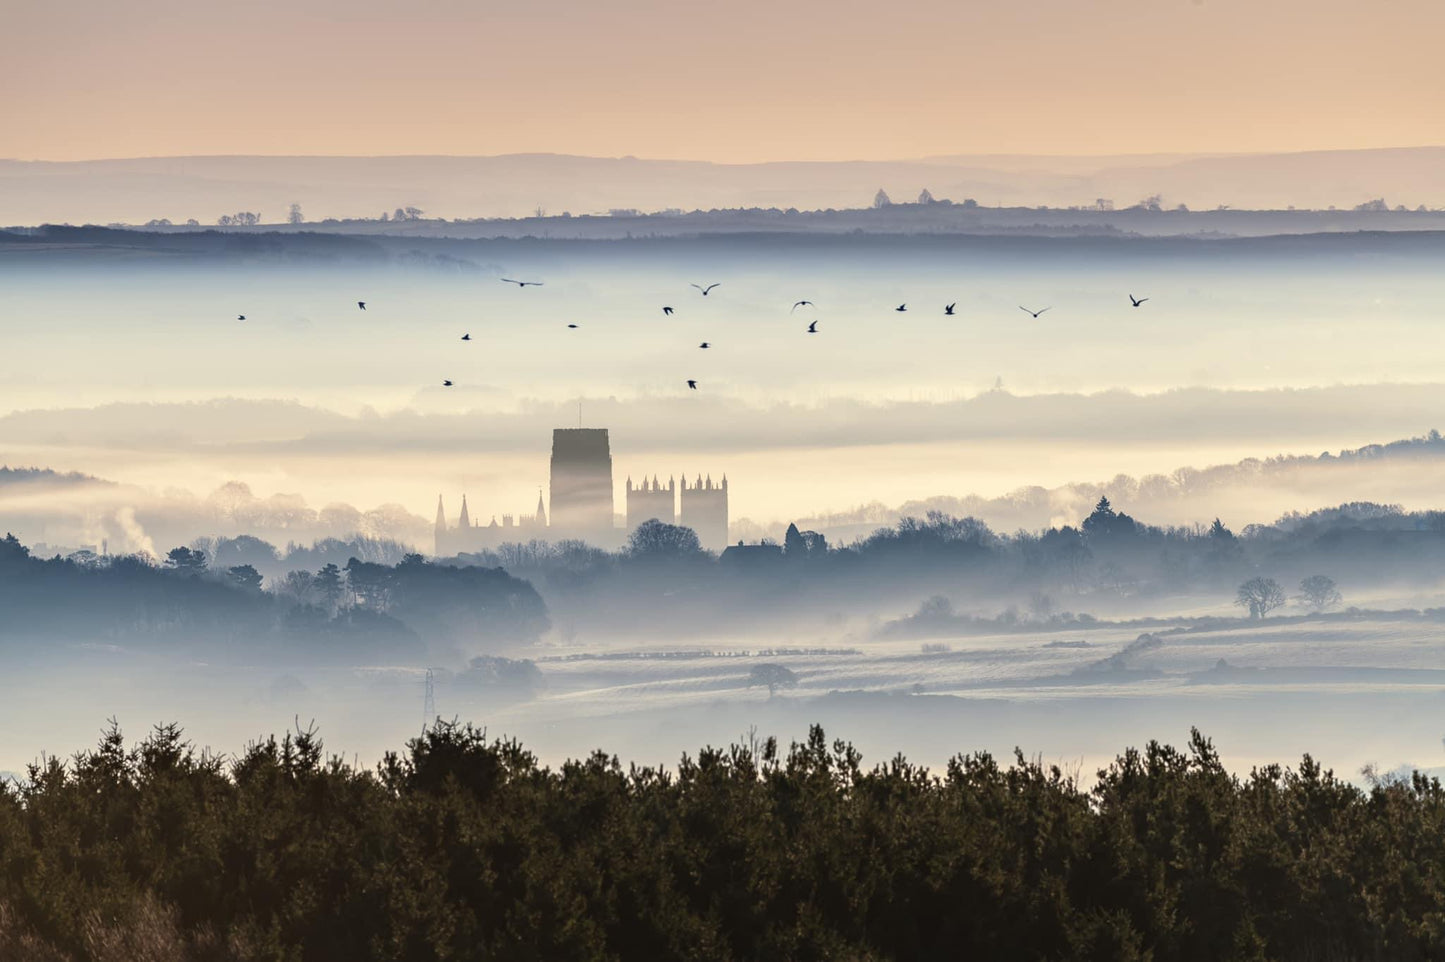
1319	593
295	216
1260	596
880	199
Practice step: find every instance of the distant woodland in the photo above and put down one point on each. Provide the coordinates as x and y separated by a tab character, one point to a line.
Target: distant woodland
344	600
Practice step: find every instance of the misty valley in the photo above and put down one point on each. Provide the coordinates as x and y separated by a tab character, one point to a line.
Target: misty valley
1071	637
371	671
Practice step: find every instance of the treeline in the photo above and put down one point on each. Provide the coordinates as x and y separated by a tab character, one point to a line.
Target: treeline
663	584
359	610
461	847
1108	561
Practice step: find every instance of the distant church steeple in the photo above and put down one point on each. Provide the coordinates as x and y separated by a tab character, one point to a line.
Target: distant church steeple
466	520
441	515
541	510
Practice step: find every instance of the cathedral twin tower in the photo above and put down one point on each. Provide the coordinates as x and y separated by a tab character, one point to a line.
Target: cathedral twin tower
582	504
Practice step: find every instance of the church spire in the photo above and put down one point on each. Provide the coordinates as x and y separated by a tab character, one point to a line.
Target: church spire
466	520
541	510
441	515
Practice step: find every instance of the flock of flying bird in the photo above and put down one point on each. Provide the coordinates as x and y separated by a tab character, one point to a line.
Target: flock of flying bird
812	327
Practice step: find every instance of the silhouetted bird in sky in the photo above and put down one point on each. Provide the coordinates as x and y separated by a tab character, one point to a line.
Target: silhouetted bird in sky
1032	313
240	317
508	280
692	384
1137	302
901	307
446	384
466	337
948	309
704	345
361	304
573	326
801	303
813	328
667	310
706	289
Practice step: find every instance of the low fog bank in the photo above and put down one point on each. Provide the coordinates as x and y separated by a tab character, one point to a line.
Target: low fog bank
64	513
721	425
1251	491
60	513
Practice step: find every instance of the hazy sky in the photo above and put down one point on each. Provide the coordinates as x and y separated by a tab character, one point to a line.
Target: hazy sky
743	81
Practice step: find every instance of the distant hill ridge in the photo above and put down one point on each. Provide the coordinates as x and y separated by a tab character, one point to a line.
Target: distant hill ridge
1137	494
179	188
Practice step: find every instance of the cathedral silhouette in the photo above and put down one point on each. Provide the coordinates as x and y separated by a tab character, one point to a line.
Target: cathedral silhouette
581	505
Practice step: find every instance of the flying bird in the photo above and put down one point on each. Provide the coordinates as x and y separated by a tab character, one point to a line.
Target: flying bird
240	317
361	304
692	384
1032	313
801	303
1137	302
446	383
813	328
948	308
466	337
667	311
508	280
706	289
704	345
901	307
573	326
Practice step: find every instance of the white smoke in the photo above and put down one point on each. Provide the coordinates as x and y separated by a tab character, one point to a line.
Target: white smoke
133	538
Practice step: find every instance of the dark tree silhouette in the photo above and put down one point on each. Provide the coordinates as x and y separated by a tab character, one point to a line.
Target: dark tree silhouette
329	584
658	540
244	576
1218	532
186	560
1260	596
772	676
1319	592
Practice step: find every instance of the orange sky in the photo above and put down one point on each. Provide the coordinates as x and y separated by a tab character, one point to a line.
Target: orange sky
742	81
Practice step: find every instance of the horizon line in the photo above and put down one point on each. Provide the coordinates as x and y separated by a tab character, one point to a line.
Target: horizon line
939	159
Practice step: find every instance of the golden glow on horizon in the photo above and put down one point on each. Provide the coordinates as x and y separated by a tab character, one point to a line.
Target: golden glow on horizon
740	82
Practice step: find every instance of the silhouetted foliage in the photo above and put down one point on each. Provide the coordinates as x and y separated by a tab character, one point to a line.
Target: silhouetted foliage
493	672
655	540
244	576
1319	592
772	677
465	847
186	560
366	610
1260	596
